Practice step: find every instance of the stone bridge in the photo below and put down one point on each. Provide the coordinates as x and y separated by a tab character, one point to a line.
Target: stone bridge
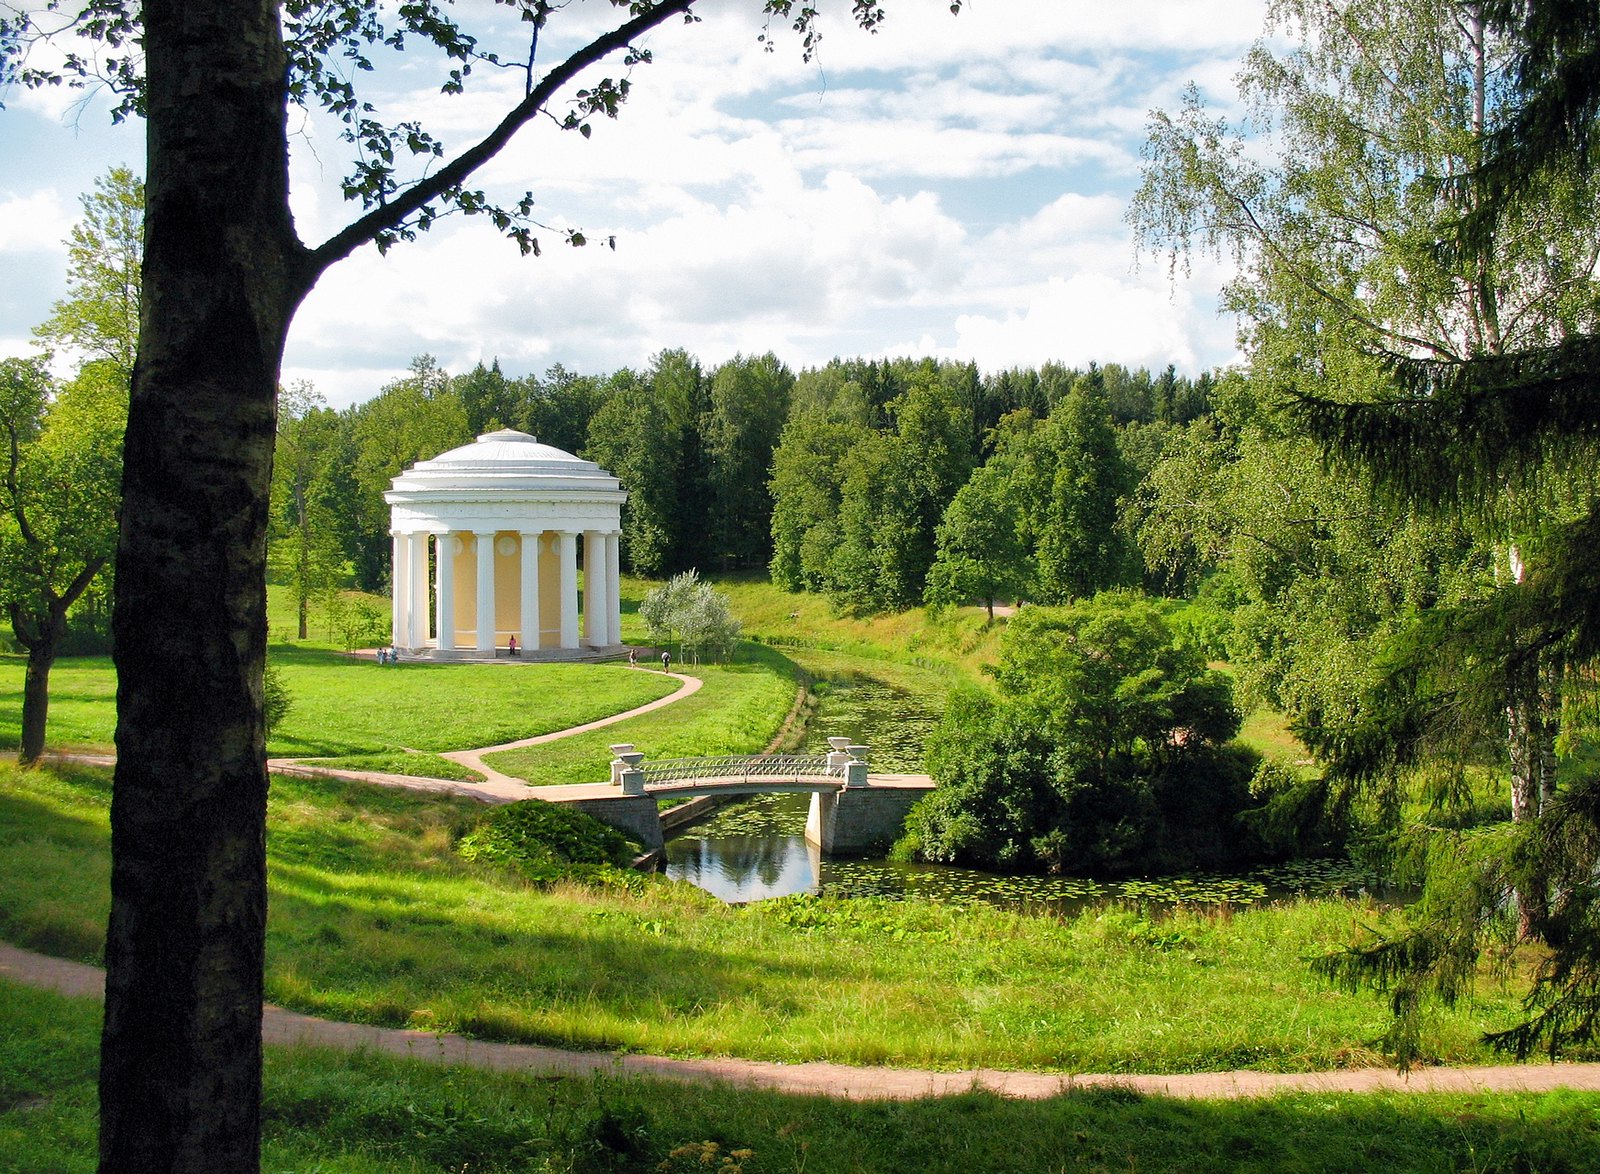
852	811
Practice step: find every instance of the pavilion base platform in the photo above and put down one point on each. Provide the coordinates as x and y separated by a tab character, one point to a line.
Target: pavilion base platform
501	656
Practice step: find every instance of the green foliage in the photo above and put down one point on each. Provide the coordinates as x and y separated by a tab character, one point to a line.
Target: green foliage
749	401
982	553
276	700
1304	578
695	612
355	620
1080	549
1416	269
806	483
635	436
547	843
1103	753
60	490
411	419
99	317
310	491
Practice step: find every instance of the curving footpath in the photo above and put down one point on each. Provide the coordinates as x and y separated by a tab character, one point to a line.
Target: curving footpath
816	1078
496	787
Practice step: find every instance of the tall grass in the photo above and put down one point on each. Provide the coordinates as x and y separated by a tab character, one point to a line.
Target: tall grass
373	918
367	1114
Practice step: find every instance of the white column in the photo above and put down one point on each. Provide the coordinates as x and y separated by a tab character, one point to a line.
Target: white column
485	589
417	598
614	593
596	581
528	614
567	559
444	590
399	588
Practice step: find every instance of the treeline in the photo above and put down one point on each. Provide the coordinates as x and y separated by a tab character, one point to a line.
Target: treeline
837	477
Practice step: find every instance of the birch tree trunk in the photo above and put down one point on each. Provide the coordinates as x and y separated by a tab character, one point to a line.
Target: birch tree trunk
180	1075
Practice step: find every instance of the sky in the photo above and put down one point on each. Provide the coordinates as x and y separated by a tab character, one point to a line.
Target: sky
950	186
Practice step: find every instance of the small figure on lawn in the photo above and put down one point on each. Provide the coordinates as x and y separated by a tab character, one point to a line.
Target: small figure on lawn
383	655
633	658
666	660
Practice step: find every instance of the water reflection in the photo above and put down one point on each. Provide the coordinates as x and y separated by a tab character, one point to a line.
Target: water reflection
756	849
749	851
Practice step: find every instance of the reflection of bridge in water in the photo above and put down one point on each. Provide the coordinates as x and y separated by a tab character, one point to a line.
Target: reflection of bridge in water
852	811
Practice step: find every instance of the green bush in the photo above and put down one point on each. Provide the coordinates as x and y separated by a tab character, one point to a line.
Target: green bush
1105	752
546	843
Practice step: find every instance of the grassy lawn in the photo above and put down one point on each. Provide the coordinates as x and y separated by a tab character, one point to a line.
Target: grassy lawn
373	918
83	698
363	714
961	638
737	711
344	707
365	1114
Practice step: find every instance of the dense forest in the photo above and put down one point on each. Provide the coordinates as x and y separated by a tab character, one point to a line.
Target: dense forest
750	465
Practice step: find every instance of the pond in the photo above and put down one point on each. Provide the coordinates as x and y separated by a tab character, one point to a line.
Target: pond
756	848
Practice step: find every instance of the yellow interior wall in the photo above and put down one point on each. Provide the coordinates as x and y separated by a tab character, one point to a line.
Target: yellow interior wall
465	602
507	587
549	592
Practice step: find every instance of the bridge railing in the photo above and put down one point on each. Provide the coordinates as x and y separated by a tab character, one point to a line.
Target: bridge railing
762	766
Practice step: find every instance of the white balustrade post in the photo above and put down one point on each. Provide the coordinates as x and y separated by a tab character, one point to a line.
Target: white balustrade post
528	614
856	768
485	540
444	589
838	755
625	771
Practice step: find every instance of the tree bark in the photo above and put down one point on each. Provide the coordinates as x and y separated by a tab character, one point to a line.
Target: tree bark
180	1075
36	690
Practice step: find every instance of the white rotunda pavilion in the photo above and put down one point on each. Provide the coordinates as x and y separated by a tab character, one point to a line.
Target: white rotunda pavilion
505	515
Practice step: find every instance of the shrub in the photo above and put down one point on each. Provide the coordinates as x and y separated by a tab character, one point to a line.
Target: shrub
1104	752
275	699
546	843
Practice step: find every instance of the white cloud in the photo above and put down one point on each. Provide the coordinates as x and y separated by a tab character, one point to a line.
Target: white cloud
954	181
36	222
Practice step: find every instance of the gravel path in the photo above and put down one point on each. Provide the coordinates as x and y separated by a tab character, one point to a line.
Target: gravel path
838	1080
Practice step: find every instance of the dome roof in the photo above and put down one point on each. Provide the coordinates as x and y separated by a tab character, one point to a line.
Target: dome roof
503	462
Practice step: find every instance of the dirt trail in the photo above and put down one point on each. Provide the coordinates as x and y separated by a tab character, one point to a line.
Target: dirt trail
815	1078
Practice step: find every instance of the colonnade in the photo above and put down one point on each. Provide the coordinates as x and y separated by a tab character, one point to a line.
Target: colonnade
486	586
